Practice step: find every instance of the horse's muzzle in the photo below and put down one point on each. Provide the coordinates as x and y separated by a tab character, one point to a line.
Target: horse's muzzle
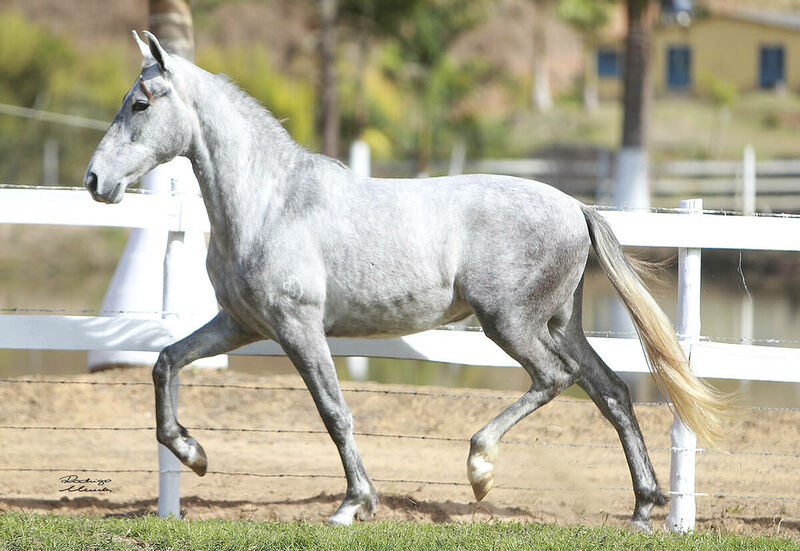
113	196
90	183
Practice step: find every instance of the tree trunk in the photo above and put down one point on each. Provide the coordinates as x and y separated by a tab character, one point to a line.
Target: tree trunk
362	107
636	98
171	22
631	186
328	102
541	98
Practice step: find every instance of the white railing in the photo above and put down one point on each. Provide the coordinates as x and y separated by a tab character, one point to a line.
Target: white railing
178	213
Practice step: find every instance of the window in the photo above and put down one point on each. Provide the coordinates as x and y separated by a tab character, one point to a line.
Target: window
608	62
679	67
771	70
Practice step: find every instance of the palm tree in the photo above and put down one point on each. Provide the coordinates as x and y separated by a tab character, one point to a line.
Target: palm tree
631	188
171	22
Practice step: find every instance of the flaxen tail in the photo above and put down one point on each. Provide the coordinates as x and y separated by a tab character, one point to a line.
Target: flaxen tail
699	405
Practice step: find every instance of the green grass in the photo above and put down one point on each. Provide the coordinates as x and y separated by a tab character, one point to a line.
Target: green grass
51	532
681	127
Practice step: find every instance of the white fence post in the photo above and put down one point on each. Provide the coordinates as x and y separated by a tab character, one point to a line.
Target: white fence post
169	478
136	284
749	180
136	287
683	508
358	366
748	208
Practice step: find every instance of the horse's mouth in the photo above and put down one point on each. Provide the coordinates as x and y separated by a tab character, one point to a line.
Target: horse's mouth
115	196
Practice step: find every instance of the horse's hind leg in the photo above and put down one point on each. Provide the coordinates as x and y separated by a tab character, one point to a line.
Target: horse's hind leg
218	336
611	396
551	372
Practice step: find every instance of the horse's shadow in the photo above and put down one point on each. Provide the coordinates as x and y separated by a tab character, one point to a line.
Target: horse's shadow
436	511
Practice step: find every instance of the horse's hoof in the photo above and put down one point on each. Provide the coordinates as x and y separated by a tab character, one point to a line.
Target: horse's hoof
196	458
355	508
640	526
343	516
336	521
482	486
480	472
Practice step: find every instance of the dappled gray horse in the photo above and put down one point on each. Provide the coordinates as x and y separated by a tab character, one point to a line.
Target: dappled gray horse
301	248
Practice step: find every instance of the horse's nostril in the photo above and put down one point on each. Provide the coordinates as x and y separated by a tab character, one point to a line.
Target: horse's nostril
91	182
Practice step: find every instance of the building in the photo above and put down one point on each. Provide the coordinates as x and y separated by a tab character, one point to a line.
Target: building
692	49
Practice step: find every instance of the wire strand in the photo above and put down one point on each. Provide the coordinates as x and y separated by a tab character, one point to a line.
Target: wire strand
415	393
400	436
386	481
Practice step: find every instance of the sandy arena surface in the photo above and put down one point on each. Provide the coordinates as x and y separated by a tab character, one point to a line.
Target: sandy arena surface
563	464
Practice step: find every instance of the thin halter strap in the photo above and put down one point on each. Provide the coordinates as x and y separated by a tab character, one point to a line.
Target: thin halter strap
145	90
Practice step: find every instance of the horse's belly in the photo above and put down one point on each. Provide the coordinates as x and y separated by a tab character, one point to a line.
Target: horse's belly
394	315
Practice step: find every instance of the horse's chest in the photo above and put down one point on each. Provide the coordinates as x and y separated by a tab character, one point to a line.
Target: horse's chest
239	286
256	288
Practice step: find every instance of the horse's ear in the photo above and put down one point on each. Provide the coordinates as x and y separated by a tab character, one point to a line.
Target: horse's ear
142	46
161	56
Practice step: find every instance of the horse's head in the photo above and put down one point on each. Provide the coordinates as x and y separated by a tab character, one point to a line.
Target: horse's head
153	125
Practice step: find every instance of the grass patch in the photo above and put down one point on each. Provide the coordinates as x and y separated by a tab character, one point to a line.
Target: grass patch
20	531
681	127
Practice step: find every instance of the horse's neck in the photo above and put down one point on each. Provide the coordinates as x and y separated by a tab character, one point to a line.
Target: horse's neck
242	158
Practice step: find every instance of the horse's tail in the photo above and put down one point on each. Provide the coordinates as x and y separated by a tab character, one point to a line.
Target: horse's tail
699	405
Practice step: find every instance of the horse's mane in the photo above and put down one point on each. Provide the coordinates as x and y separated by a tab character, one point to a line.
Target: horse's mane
246	101
257	112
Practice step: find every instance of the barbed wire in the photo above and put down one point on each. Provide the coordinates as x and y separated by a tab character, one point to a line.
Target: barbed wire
415	393
497	486
375	435
448	327
401	436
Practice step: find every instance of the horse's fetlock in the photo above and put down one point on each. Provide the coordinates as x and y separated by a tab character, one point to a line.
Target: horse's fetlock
166	436
483	446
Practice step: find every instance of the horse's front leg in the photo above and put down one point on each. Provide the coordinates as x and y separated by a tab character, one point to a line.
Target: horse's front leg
304	342
218	336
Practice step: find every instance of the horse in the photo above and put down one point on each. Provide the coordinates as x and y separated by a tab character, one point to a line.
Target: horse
301	249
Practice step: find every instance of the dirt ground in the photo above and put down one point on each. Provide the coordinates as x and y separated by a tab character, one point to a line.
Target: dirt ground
563	464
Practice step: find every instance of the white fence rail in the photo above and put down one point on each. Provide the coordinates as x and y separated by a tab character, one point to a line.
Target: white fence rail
179	213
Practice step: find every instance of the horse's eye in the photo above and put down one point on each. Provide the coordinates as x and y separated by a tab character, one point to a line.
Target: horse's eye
140	105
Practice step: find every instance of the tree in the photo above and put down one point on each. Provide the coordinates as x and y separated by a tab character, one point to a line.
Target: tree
423	39
541	97
587	17
171	22
328	83
368	19
631	188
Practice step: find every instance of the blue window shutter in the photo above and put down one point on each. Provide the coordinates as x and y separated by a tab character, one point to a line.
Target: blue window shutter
607	64
771	66
679	67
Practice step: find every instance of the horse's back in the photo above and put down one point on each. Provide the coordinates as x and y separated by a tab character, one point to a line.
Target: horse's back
410	251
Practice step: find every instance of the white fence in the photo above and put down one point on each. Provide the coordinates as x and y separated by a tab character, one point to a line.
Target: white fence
176	214
720	182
